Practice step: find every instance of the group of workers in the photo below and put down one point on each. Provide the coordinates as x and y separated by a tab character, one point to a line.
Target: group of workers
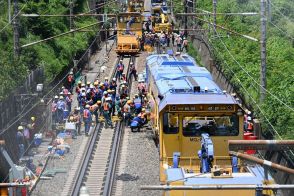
23	135
163	40
101	98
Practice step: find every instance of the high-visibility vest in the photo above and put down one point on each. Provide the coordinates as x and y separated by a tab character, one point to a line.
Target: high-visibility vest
70	78
86	114
250	126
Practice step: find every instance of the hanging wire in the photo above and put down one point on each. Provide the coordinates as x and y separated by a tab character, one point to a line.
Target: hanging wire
278	99
278	10
274	132
282	31
14	17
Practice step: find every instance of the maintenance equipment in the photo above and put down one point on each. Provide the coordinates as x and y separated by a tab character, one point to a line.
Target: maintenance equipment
190	114
129	27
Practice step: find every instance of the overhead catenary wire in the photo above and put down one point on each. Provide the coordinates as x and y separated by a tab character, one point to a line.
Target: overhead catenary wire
281	13
13	17
48	93
282	31
278	99
274	132
45	96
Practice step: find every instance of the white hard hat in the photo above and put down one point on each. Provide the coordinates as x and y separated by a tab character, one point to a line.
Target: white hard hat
20	128
61	97
114	79
105	93
131	63
87	106
56	97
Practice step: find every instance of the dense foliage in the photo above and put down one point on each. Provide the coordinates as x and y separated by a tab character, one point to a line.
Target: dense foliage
238	55
55	54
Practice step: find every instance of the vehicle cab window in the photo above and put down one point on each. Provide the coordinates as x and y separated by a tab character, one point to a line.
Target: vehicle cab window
170	123
213	125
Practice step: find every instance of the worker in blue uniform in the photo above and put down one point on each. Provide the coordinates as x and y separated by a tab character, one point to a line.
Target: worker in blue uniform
60	109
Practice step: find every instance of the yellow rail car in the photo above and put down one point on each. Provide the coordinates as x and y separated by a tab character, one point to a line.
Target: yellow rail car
194	119
129	30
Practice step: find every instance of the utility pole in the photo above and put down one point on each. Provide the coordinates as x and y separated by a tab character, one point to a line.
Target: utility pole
185	20
9	11
263	50
70	13
214	3
15	30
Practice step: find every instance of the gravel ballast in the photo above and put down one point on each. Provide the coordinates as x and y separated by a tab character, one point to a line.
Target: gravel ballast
142	159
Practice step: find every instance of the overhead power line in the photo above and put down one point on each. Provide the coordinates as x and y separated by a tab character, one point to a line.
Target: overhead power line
273	131
19	117
278	99
13	18
62	34
278	10
246	91
282	31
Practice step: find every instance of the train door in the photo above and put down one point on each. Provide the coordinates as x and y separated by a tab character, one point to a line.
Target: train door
170	134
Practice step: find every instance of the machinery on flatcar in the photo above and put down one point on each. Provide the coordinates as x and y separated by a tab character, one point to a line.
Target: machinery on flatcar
136	6
194	119
129	30
160	20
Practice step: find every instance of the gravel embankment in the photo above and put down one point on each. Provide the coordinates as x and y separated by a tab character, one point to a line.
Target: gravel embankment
142	159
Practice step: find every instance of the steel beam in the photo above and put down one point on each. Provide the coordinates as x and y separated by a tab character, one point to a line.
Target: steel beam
273	145
262	162
218	187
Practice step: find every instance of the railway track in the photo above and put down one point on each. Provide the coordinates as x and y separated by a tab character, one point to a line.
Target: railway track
97	171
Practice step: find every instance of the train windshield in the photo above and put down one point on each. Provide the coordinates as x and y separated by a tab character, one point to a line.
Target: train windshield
213	125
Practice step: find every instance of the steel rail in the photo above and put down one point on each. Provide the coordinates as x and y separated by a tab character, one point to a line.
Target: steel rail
83	169
110	178
89	151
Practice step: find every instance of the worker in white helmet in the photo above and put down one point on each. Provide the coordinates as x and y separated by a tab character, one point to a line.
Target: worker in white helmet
20	141
87	116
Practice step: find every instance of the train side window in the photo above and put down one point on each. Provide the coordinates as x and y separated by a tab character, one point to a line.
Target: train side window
170	123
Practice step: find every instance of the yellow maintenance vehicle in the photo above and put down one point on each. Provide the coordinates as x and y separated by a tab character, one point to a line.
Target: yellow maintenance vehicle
193	120
129	30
